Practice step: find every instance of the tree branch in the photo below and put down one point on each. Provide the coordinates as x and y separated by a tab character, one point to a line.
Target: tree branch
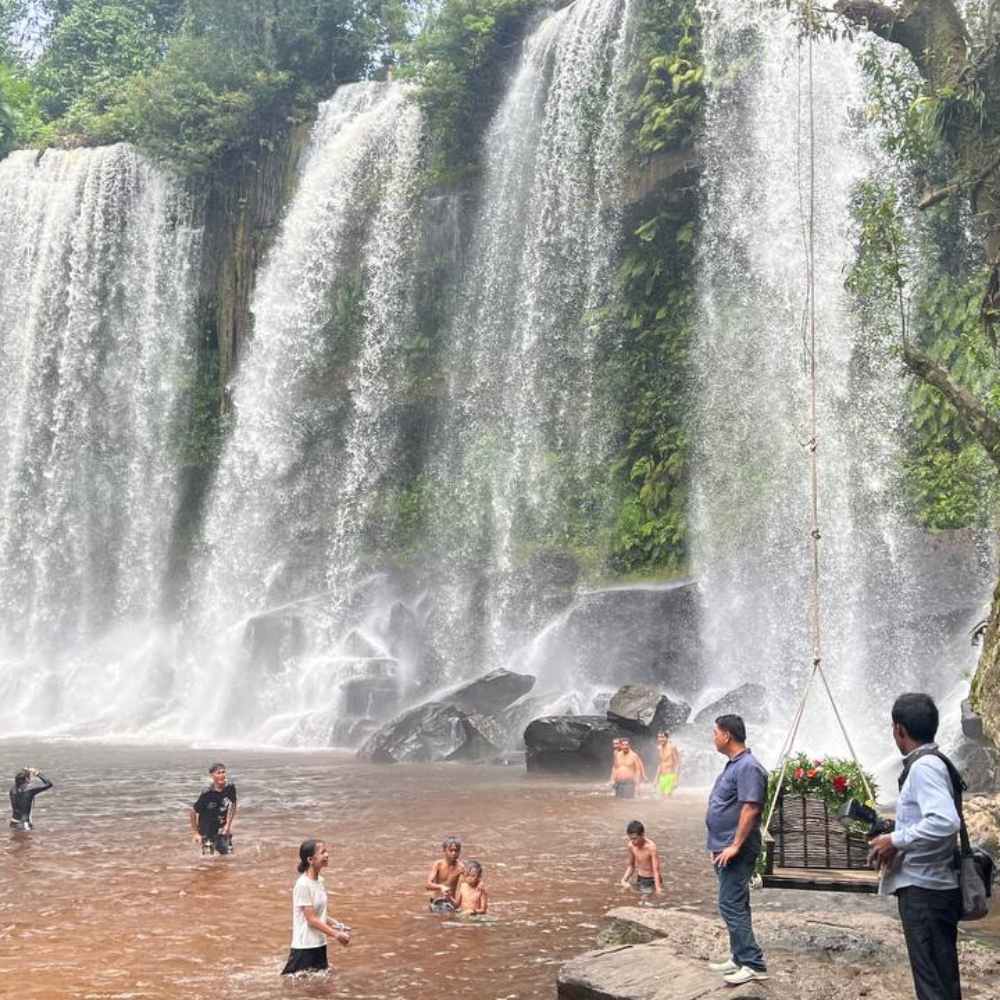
971	412
931	30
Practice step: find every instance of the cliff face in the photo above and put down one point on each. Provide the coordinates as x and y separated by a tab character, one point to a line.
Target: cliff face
986	683
242	213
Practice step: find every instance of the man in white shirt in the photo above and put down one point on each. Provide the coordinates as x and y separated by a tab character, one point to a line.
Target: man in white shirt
919	858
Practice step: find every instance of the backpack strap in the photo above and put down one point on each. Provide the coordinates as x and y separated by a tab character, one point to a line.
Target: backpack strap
958	786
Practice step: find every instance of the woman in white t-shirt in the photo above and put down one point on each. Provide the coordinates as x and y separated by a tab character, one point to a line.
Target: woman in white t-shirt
310	924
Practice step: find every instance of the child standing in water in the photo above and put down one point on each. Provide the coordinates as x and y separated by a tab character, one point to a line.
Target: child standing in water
444	877
470	897
643	861
668	769
311	926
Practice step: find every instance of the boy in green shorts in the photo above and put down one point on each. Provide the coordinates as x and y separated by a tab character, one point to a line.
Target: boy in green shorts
668	769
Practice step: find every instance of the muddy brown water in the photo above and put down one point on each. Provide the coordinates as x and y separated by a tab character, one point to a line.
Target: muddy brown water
109	898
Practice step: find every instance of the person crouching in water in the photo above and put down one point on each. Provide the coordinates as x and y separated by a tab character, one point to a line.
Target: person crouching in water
310	924
627	771
643	862
22	796
470	897
444	877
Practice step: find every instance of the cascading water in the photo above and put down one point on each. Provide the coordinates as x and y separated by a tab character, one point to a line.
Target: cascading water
523	432
316	423
98	253
750	517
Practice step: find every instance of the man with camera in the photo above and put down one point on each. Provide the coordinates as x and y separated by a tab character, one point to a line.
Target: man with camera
918	857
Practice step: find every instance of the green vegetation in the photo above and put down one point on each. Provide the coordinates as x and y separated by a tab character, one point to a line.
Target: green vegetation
191	82
918	280
651	321
459	63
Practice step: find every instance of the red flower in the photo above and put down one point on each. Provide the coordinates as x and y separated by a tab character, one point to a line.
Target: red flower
811	773
839	784
799	773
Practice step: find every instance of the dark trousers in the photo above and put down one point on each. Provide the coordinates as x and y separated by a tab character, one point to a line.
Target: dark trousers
734	906
930	924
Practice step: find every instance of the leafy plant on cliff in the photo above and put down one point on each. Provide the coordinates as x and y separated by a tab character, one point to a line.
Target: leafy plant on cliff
459	62
652	318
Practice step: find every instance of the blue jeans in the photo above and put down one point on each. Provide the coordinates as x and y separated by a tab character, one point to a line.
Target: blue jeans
734	905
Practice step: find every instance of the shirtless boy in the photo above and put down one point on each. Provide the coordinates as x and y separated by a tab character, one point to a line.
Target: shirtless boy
444	877
471	898
668	769
643	861
627	771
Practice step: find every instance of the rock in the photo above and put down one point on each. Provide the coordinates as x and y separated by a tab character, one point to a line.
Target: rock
748	700
374	695
979	765
600	702
972	723
643	972
572	744
647	633
491	693
406	639
430	732
355	644
982	819
274	640
646	710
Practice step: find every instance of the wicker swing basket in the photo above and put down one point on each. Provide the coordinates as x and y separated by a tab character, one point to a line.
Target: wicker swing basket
808	848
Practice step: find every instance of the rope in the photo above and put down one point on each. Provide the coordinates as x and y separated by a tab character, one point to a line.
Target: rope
814	601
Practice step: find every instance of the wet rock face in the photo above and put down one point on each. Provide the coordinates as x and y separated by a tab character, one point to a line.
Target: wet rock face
632	635
573	744
645	710
982	819
430	732
492	693
979	765
273	640
749	701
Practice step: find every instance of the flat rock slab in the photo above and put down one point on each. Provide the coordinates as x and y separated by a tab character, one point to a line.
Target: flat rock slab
852	936
644	972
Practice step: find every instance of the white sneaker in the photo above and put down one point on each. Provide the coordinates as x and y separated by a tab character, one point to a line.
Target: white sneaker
725	966
744	975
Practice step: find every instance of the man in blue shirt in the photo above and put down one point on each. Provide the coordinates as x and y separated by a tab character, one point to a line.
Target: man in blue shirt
734	841
918	857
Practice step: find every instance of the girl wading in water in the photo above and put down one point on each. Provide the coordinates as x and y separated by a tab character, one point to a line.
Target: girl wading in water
310	924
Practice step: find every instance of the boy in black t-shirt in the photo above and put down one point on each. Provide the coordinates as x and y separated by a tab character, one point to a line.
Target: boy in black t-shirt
213	814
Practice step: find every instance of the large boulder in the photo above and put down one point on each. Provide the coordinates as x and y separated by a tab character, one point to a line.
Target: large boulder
491	693
645	710
748	700
979	765
430	732
647	633
573	744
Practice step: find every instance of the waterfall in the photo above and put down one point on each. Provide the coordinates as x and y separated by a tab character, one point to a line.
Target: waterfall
98	258
524	430
316	419
750	516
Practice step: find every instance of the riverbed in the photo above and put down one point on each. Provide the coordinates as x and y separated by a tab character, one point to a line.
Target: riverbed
109	898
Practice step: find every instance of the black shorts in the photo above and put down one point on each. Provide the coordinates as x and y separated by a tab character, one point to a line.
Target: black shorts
304	960
442	905
646	884
624	789
221	843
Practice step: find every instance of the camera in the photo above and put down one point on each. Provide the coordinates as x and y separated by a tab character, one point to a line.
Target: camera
853	811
